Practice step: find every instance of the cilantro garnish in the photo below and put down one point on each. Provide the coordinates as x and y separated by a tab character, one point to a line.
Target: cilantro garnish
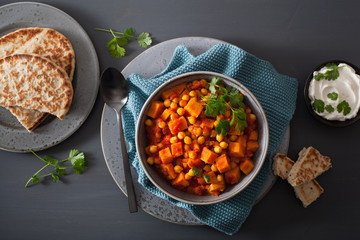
329	108
331	74
196	171
343	107
207	178
220	100
76	158
116	45
318	105
332	96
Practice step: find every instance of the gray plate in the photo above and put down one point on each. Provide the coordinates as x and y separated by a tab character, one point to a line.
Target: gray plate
14	137
151	62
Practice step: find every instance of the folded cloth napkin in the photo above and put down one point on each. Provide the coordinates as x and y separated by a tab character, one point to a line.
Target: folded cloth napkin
275	92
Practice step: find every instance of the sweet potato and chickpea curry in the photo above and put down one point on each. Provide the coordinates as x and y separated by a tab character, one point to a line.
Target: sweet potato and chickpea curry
201	137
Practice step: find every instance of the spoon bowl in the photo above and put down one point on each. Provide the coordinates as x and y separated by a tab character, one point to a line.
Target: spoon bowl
115	93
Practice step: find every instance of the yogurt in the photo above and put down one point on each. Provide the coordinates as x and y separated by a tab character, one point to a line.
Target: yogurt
344	89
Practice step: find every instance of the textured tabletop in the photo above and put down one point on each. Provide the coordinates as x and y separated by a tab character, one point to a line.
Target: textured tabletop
294	36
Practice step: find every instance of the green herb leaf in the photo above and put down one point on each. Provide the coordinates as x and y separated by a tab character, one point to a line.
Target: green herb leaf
343	107
332	96
329	108
318	105
331	74
196	171
214	108
223	127
240	119
55	178
114	48
144	40
237	101
207	178
128	33
214	82
76	158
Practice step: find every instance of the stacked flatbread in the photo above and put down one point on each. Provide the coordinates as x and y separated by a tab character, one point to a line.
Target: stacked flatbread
302	173
36	69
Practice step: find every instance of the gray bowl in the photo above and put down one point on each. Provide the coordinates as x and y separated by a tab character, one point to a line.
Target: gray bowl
231	190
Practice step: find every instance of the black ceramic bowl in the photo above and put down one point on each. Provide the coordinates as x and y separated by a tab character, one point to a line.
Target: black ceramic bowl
332	123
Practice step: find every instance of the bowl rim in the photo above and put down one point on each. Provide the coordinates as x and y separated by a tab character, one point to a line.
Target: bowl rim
261	158
331	123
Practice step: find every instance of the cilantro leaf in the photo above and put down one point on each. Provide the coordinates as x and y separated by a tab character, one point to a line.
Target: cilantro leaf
237	101
116	45
76	158
128	33
329	108
331	74
207	178
332	96
213	83
239	117
223	127
144	40
55	177
343	107
114	48
196	171
318	105
214	108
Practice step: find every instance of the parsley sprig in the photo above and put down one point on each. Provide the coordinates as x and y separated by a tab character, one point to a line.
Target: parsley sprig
76	158
331	74
121	39
221	99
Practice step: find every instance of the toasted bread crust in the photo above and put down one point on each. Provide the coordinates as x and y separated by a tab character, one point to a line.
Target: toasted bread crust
33	82
282	165
309	165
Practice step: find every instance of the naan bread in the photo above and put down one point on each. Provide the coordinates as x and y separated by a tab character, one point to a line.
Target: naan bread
44	42
47	43
33	82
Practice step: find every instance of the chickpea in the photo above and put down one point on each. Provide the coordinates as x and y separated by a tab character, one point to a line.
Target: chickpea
187	140
162	124
191	119
153	149
185	97
148	122
224	145
182	103
173	105
173	139
217	149
150	160
175	100
219	137
178	169
198	132
204	91
201	140
220	178
192	93
214	168
167	103
180	111
181	135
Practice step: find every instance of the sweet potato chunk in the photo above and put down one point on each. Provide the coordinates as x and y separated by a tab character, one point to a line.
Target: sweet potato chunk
177	149
253	135
156	108
173	92
232	176
208	156
165	155
180	182
223	163
168	171
177	125
166	114
252	146
238	148
246	166
193	107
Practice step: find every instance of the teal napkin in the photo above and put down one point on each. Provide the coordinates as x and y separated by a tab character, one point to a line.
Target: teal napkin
275	92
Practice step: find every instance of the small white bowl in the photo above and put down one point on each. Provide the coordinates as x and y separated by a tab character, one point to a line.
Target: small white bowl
231	190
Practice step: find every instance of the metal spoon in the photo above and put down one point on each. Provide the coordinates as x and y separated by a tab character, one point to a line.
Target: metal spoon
115	93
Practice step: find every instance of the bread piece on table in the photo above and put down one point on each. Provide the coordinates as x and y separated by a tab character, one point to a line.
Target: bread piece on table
282	165
309	165
307	192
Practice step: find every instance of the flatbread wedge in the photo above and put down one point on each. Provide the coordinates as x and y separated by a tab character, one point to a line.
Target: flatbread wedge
309	165
307	192
33	82
44	42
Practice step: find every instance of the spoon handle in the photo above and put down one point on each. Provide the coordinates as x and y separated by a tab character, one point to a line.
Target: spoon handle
128	179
